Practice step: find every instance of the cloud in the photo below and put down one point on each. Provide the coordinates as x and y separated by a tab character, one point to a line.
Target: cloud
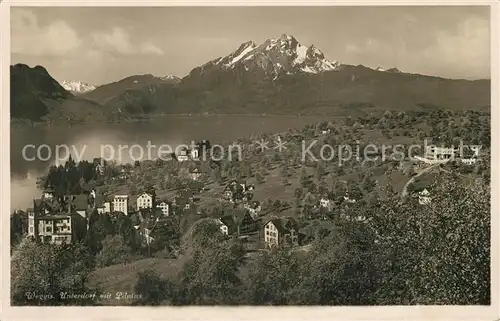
118	40
58	38
149	48
458	51
467	48
30	38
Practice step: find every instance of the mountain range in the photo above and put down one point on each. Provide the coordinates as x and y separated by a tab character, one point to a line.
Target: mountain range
279	76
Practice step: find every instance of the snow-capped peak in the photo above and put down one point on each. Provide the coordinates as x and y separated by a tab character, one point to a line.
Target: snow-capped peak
77	87
237	55
276	56
170	77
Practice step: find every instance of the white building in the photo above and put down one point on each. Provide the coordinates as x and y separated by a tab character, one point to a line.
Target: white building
441	153
100	208
223	227
468	161
144	200
120	204
326	203
48	195
424	197
278	231
349	200
195	173
164	207
107	207
182	155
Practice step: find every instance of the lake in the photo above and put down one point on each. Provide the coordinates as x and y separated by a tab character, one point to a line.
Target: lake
87	139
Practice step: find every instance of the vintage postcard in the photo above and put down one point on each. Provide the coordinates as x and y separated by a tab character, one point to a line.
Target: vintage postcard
221	161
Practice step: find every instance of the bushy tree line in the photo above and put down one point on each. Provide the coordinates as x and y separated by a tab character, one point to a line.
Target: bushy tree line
401	253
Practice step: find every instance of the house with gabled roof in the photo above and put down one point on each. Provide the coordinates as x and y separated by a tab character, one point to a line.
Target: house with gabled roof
326	203
227	225
79	204
424	196
164	206
281	231
195	173
56	228
145	200
99	204
239	221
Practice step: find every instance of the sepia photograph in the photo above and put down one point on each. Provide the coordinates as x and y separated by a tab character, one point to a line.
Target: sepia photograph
250	156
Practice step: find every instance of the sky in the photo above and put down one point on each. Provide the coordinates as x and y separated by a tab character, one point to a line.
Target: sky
99	45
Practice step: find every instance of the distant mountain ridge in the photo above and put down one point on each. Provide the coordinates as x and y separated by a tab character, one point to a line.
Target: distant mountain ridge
36	96
279	76
103	93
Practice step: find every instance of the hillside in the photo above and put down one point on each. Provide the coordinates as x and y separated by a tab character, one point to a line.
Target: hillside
104	93
339	92
36	96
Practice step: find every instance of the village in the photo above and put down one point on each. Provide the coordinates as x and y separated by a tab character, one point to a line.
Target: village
65	219
160	216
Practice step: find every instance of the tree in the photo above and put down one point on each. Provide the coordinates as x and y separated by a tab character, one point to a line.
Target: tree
272	277
277	205
284	171
304	178
166	236
259	177
367	184
299	192
18	227
320	170
323	187
49	270
341	269
114	251
154	290
123	226
308	203
210	274
437	253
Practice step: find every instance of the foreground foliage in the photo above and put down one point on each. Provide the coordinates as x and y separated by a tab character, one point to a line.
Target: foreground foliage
402	253
41	272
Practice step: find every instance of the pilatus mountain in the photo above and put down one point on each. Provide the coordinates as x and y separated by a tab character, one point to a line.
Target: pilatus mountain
279	76
274	58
